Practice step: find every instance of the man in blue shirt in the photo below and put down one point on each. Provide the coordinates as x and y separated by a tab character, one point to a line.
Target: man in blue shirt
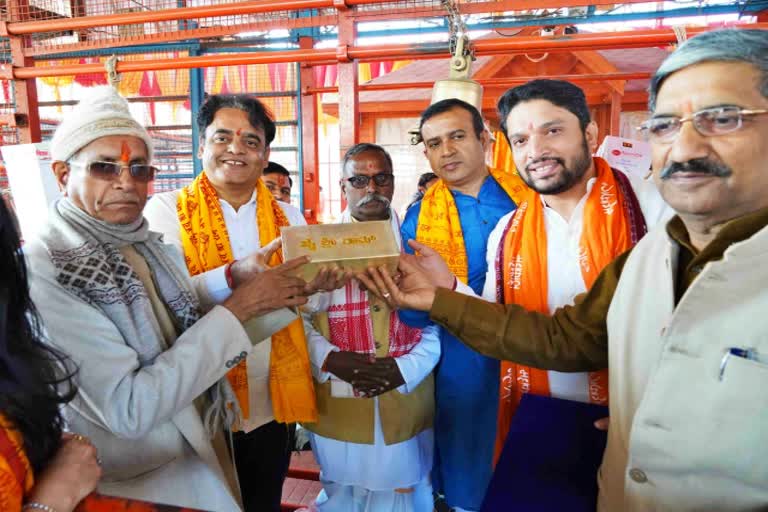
467	383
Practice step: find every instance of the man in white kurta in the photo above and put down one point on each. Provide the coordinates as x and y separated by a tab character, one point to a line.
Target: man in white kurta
236	132
551	135
379	460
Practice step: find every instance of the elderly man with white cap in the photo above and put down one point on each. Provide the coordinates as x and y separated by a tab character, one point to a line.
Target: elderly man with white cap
120	303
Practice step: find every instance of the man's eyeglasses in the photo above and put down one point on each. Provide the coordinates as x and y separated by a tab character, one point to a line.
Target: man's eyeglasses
709	122
111	170
381	180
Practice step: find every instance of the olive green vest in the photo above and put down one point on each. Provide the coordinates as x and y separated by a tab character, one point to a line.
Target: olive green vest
351	419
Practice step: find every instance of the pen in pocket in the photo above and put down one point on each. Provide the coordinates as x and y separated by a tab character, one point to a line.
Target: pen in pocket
744	353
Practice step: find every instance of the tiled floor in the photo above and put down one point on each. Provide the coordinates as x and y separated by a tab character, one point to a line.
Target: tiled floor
302	486
299	493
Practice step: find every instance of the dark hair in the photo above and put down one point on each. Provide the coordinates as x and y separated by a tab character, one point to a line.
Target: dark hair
417	196
558	92
361	148
443	106
258	114
426	178
724	45
276	168
34	378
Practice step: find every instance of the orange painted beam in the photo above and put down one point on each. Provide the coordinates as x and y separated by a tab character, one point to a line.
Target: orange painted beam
182	13
264	6
631	101
349	97
27	112
424	11
601	41
287	23
202	61
176	35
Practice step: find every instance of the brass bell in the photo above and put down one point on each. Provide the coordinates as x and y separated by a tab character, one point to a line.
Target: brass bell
458	85
459	88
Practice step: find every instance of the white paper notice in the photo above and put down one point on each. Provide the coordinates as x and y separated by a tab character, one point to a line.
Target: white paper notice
628	155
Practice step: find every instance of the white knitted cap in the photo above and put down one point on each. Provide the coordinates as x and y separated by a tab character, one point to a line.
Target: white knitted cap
101	112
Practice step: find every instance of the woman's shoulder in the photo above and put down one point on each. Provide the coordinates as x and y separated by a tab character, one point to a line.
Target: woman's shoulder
15	471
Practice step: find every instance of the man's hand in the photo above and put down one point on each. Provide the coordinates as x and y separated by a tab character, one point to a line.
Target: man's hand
346	365
268	291
414	290
381	376
327	280
370	377
433	265
245	269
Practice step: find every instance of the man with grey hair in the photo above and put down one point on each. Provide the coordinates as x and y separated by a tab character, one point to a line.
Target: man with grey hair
677	318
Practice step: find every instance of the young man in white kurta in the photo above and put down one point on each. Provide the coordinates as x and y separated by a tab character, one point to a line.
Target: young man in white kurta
536	126
563	272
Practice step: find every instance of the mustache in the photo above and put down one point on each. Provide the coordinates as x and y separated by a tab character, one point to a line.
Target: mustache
370	198
545	159
131	198
697	165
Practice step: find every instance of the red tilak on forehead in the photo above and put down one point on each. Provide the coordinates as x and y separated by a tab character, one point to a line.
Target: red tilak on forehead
239	131
125	152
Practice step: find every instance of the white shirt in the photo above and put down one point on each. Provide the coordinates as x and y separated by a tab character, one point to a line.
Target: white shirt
243	230
564	275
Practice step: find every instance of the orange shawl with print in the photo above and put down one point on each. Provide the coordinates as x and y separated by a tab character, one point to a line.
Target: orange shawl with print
612	224
439	226
206	246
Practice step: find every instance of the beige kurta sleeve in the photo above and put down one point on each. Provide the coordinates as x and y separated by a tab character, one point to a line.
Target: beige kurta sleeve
573	339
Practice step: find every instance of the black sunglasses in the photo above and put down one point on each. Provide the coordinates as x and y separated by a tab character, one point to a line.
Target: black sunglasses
111	170
381	180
